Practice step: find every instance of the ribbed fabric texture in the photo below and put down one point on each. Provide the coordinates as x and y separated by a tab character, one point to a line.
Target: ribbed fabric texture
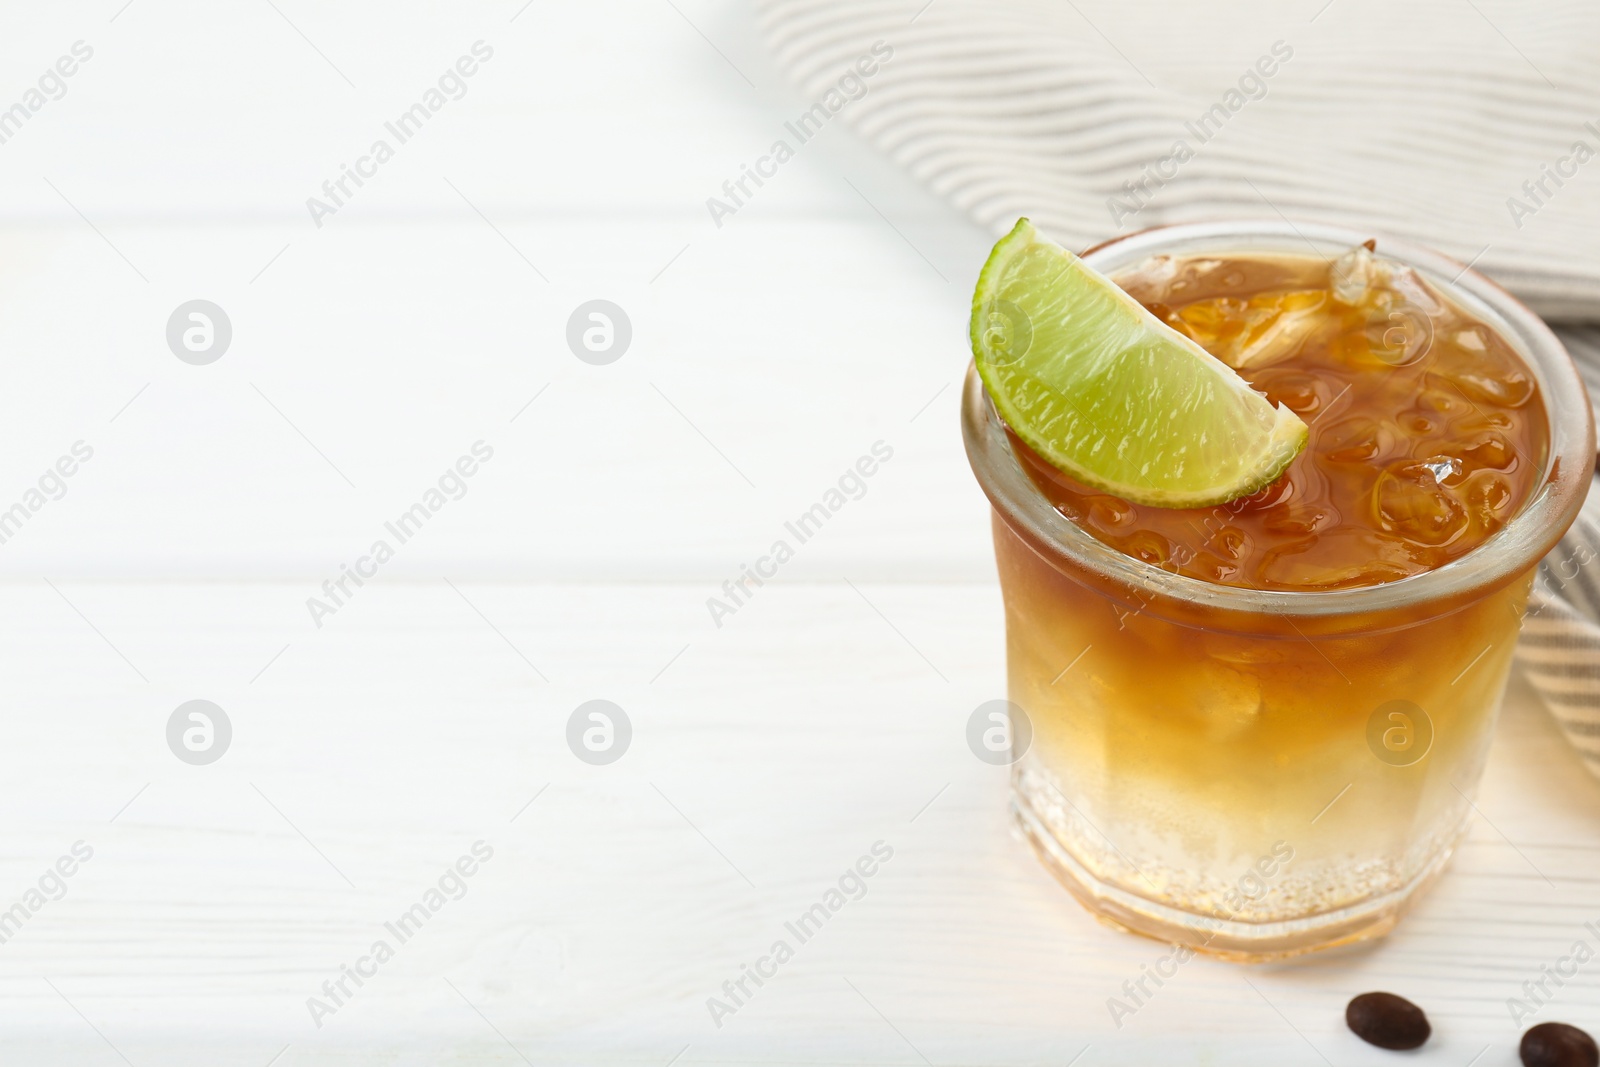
1471	126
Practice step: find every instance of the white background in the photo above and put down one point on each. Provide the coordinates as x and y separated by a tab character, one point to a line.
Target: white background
370	752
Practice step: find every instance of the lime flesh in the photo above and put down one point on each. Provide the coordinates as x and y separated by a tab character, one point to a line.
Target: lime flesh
1111	395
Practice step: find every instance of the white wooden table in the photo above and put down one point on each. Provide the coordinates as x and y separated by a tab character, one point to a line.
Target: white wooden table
429	711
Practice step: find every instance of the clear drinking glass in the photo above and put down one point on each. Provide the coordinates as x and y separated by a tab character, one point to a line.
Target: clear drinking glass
1262	773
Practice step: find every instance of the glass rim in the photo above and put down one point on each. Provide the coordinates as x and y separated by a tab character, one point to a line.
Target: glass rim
1513	549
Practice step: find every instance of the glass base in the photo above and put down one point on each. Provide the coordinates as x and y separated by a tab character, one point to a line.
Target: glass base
1242	942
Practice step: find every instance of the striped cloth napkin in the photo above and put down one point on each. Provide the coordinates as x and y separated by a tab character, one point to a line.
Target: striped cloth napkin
1471	126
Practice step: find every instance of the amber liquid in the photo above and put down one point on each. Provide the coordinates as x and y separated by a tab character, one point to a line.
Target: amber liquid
1426	430
1177	748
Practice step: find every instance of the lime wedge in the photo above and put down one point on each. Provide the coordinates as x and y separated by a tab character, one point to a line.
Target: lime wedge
1111	395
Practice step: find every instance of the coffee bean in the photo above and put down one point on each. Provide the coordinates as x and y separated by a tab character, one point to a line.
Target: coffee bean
1558	1045
1387	1021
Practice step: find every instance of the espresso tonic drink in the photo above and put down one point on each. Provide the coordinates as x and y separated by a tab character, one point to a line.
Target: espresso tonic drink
1257	723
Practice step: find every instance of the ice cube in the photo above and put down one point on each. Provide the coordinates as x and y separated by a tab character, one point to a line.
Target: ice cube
1153	274
1265	329
1494	375
1354	440
1352	275
1486	451
1297	520
1153	549
1401	311
1229	701
1403	288
1446	470
1417	424
1208	321
1412	502
1231	542
1488	493
1404	315
1345	556
1111	514
1298	391
1446	402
